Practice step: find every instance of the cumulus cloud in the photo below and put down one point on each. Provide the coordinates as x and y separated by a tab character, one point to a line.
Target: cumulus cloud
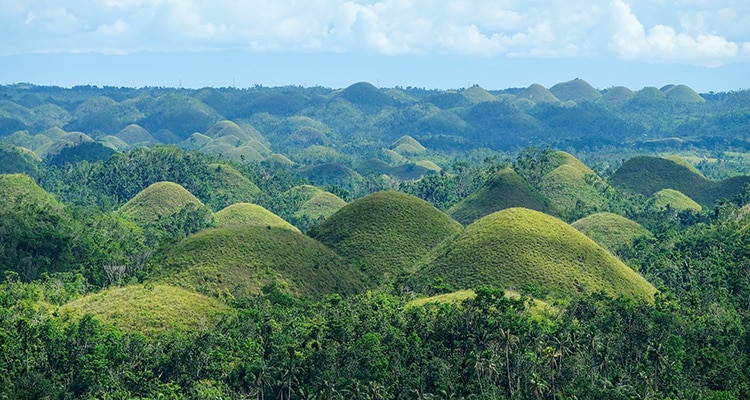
632	41
486	28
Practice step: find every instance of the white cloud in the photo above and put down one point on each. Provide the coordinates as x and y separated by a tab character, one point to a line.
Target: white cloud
631	41
692	30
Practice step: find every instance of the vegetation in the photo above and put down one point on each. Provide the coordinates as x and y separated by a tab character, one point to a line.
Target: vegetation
385	233
610	230
519	249
250	214
670	198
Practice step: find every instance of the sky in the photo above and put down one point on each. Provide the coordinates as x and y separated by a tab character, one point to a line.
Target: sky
334	43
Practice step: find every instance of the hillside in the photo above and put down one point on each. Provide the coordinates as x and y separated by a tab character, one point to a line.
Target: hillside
242	259
504	189
385	233
250	214
519	248
159	200
670	198
647	175
576	90
610	230
538	94
148	309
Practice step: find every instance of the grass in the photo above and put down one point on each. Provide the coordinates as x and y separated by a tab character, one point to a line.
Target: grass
240	260
683	94
134	134
229	184
227	128
684	162
517	247
476	94
244	154
20	191
617	95
385	233
538	94
365	94
537	308
407	144
429	165
610	230
674	199
505	189
250	214
149	309
569	186
648	175
322	205
160	199
576	90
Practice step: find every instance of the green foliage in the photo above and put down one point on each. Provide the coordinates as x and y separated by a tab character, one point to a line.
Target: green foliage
385	233
504	189
250	214
611	231
670	198
147	309
241	259
516	246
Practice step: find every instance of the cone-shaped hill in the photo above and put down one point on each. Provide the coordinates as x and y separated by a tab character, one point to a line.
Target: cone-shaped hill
682	94
19	191
227	128
610	230
505	189
407	144
617	95
365	94
242	259
477	94
148	309
576	90
250	214
683	162
518	247
647	175
159	200
670	198
570	185
385	233
538	94
315	203
135	134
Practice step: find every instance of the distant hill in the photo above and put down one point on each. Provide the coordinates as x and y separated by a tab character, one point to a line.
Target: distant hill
159	200
504	189
572	185
385	233
250	214
477	94
519	248
134	134
242	259
18	160
670	198
365	94
647	175
538	94
407	144
617	95
148	309
576	90
610	230
682	94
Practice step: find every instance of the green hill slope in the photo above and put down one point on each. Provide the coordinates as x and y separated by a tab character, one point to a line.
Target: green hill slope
477	94
683	94
385	233
576	90
242	259
250	214
569	187
538	94
148	309
674	199
159	200
611	231
647	175
517	248
505	189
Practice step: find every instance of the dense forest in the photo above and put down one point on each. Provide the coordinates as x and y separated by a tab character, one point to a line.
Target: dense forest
374	243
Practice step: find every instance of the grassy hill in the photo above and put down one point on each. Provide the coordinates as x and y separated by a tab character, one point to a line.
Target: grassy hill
159	200
385	233
134	134
576	90
505	189
685	163
250	214
242	259
648	175
148	309
538	94
674	199
365	94
683	94
407	144
567	187
477	94
519	248
617	95
610	230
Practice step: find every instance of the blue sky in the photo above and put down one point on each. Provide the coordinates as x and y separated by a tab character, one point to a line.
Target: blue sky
425	43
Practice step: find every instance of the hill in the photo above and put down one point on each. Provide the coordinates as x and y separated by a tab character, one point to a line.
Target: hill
385	233
148	309
576	90
683	94
250	214
647	175
617	95
407	144
670	198
538	94
504	189
519	249
684	163
572	187
365	94
241	259
477	94
159	200
611	231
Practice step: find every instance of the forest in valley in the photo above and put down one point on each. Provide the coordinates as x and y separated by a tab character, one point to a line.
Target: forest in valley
296	242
